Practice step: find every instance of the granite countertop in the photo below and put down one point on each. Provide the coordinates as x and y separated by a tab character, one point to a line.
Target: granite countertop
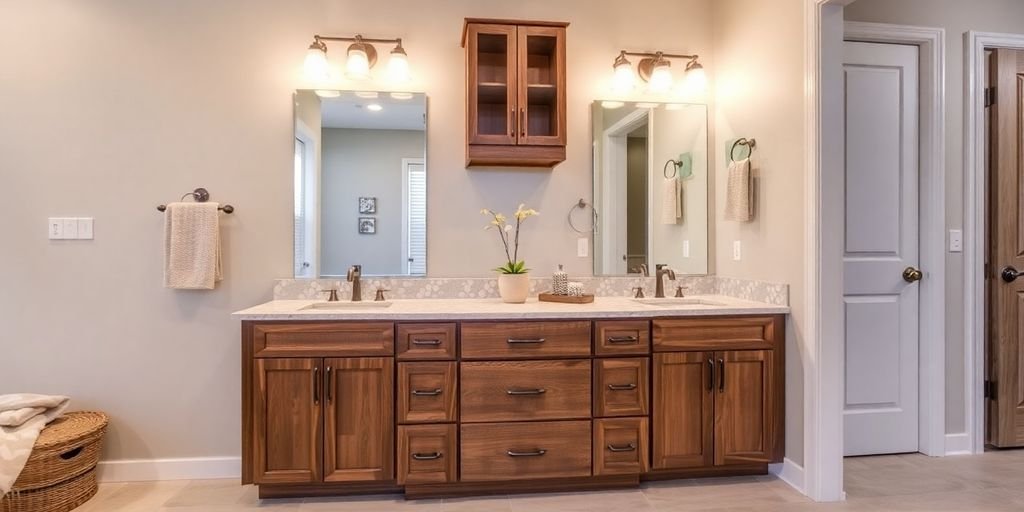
494	309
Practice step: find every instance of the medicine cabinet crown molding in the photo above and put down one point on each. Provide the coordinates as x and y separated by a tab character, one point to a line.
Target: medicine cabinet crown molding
515	92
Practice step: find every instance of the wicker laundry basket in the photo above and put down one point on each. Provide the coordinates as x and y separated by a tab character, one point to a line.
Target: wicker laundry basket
60	474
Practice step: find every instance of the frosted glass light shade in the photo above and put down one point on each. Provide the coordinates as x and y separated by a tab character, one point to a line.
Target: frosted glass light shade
624	79
315	66
398	67
696	80
357	65
661	78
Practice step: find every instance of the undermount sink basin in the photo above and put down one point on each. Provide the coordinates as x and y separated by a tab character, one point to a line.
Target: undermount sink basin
346	304
678	301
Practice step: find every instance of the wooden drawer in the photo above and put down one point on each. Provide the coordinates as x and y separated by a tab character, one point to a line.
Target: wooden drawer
501	451
718	333
621	387
427	392
425	342
525	390
622	337
426	454
348	339
620	446
525	340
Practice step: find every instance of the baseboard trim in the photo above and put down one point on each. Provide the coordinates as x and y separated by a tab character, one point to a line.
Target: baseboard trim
197	468
958	444
789	472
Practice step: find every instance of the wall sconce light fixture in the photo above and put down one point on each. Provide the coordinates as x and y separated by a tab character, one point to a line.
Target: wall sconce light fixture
360	58
655	68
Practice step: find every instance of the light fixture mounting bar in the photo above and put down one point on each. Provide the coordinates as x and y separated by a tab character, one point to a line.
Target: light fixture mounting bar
397	40
659	54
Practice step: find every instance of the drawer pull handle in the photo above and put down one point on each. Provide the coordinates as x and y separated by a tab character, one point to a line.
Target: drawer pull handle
622	387
526	392
426	456
426	392
621	340
534	453
514	341
431	342
628	448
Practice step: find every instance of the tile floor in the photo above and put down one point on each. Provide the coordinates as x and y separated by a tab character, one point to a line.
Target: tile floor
990	482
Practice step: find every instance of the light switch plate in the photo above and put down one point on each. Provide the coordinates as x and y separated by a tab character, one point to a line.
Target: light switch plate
70	228
686	248
956	240
582	247
85	228
737	250
55	228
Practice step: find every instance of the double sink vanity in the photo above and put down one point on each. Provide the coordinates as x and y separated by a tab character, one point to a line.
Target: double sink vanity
447	397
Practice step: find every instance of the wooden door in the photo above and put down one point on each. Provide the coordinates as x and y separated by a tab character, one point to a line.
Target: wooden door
286	417
491	84
1006	252
541	92
881	241
359	428
683	410
744	406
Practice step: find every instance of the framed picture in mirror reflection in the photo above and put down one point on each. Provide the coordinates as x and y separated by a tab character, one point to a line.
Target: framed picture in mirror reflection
367	225
367	205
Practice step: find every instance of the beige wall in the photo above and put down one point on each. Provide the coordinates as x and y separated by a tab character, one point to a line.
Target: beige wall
957	17
759	93
124	105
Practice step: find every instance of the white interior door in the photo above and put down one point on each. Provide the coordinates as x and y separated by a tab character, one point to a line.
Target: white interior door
881	241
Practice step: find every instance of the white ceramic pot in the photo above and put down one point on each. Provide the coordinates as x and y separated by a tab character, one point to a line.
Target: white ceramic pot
514	288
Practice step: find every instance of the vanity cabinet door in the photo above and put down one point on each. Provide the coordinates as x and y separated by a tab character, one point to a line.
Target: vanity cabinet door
683	410
286	421
745	408
359	427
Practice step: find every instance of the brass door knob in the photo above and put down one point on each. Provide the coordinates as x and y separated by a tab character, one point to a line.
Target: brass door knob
911	274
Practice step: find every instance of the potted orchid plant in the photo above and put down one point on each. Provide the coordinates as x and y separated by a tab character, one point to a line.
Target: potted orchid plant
513	276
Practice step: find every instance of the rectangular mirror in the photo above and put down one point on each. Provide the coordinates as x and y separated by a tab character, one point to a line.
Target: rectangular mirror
360	183
650	187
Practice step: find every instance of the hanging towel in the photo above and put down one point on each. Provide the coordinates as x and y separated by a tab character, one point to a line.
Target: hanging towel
671	201
739	192
192	246
22	418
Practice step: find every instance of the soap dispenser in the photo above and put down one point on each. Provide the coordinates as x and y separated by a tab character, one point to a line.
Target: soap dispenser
560	282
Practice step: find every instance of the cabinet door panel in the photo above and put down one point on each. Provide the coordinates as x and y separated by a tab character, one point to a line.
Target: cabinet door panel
744	407
491	84
286	417
683	410
359	428
541	98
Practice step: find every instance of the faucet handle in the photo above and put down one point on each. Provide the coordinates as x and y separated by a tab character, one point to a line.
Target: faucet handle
333	297
639	292
679	290
380	295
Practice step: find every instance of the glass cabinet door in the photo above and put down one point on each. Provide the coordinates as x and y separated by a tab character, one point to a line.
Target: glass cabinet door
492	84
541	98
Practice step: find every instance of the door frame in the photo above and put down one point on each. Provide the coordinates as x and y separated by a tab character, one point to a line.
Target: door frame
975	210
932	220
824	360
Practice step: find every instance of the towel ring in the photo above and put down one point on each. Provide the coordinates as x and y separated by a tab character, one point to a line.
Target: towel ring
749	143
581	204
675	169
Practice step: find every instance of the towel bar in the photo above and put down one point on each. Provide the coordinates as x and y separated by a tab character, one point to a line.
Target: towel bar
200	195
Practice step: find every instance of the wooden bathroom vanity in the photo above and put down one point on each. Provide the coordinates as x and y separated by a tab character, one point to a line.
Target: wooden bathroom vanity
462	406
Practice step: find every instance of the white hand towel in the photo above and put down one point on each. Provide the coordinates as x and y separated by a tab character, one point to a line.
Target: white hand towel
22	418
671	201
192	259
739	192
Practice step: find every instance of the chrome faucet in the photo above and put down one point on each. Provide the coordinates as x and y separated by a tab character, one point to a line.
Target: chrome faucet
661	270
354	272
